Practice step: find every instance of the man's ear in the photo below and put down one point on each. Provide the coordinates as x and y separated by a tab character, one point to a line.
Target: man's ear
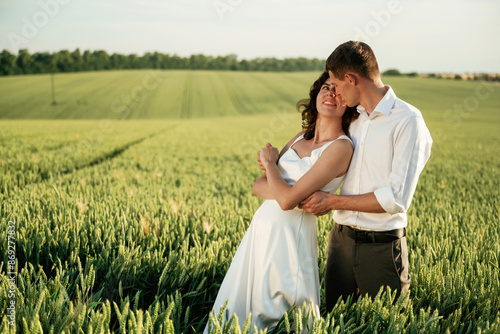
351	78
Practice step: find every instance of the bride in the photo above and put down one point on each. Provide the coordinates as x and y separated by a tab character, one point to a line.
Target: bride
276	264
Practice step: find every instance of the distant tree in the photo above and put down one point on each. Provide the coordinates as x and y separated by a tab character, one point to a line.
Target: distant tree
318	64
199	62
77	59
64	61
392	72
412	74
53	63
118	61
232	62
7	63
177	62
458	77
432	75
219	63
87	61
157	60
166	61
289	64
100	59
246	65
269	64
133	61
302	64
24	61
146	61
42	62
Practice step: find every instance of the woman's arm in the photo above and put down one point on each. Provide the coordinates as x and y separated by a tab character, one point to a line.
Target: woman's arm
260	187
332	163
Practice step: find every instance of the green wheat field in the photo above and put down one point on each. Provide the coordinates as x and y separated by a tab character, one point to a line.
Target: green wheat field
131	194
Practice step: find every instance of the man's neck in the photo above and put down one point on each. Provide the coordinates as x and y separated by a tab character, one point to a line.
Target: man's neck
373	92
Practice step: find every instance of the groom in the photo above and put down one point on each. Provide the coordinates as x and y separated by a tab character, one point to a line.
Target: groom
367	246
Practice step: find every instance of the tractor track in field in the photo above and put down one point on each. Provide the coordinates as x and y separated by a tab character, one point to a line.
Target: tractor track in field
187	96
44	176
34	149
281	95
63	114
236	99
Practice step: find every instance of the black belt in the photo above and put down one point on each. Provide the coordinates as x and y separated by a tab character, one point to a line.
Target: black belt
372	236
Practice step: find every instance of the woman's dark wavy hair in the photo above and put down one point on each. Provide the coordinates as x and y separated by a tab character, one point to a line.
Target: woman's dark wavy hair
310	113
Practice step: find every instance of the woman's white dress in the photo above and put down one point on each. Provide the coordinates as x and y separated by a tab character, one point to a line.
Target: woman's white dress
276	264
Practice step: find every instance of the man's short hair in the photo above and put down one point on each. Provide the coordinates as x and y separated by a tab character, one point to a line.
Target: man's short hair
353	56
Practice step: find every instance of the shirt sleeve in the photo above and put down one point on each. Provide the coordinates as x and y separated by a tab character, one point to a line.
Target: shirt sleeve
412	148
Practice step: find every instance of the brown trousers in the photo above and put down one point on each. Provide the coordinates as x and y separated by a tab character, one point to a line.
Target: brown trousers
355	268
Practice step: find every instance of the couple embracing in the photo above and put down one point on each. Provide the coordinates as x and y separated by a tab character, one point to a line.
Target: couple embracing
356	131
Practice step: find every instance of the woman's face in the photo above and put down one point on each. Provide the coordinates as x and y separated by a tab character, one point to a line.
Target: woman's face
329	104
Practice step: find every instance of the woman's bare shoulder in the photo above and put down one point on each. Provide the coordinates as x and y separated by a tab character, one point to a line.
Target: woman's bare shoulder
287	146
295	138
342	145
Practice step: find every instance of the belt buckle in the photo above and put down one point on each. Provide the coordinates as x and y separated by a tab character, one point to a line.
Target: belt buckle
360	236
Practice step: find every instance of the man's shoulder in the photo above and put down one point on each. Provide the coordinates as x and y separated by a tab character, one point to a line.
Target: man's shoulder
407	116
405	109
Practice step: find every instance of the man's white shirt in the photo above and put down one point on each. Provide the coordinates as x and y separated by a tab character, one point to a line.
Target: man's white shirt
391	148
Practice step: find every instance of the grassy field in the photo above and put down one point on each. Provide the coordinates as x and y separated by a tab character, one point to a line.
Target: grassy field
150	94
131	198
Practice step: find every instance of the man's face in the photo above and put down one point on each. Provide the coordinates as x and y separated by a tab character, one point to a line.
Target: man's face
345	89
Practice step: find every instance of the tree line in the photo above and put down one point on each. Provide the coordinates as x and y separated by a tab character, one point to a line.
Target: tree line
467	76
66	61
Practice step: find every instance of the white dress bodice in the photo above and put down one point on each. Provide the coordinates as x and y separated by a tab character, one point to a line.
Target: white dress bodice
293	167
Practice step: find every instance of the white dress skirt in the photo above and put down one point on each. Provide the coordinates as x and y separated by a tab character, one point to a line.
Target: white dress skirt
276	264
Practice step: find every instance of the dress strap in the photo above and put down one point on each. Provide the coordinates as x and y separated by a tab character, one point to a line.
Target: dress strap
329	143
345	137
296	140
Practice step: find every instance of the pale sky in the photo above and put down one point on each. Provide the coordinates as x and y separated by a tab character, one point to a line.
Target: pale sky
415	35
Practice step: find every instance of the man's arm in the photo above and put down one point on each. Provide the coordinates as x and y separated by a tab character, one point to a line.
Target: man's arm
320	203
412	147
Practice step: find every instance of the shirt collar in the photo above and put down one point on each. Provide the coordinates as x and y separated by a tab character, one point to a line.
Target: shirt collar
384	106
